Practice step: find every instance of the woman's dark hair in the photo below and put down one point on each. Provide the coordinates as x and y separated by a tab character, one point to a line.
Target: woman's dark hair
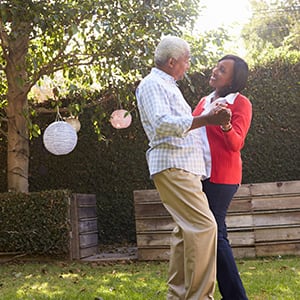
240	74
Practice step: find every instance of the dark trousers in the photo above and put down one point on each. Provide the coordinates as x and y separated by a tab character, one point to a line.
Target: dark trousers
229	281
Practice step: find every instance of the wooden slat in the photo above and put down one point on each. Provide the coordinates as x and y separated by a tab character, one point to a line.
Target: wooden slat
240	205
87	212
273	188
88	240
151	224
283	248
154	253
239	220
150	209
273	202
85	199
154	239
241	252
241	238
285	233
243	191
146	195
88	225
86	252
276	218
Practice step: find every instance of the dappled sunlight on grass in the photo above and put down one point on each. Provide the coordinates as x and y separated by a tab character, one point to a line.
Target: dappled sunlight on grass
83	281
271	278
41	289
134	283
264	279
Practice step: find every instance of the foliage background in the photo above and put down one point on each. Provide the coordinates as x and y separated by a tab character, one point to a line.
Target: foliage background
114	168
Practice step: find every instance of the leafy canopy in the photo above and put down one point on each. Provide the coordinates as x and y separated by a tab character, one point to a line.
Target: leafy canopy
273	31
114	38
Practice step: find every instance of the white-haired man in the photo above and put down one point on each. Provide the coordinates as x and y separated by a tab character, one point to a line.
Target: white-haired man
175	165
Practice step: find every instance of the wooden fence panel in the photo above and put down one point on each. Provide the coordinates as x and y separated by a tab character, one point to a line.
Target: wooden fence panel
83	218
263	219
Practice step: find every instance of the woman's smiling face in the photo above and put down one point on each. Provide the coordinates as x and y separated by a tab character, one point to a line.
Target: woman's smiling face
222	74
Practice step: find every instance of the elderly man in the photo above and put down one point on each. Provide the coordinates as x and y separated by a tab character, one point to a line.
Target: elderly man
176	166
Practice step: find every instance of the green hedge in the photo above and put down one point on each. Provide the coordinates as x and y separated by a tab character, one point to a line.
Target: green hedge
114	169
35	223
272	151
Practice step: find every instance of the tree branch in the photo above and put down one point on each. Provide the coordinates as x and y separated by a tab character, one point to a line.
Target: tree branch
2	132
43	110
4	41
53	65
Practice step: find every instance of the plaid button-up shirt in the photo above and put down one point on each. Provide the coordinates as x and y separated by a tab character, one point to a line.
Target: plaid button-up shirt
167	118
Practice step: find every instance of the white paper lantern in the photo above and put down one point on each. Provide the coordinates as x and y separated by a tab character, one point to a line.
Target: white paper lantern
74	122
60	138
120	118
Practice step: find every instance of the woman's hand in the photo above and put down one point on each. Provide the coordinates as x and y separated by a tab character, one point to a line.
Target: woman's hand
227	127
218	115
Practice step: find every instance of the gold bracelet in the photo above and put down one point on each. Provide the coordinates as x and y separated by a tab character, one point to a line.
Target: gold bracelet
226	129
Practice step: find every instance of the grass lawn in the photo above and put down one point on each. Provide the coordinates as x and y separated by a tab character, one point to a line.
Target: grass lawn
264	279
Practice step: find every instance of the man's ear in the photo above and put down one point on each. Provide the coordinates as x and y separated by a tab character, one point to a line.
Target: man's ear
171	62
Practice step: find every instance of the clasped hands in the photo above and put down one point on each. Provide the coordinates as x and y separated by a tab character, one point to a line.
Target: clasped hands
220	115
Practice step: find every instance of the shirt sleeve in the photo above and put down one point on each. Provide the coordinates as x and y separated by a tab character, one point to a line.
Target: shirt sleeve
241	119
157	105
199	107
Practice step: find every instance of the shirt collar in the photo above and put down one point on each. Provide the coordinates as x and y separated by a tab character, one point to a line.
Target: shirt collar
165	76
230	98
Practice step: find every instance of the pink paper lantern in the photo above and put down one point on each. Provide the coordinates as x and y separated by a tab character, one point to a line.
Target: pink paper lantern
120	118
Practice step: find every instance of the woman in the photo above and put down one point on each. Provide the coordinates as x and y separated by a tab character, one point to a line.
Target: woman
221	150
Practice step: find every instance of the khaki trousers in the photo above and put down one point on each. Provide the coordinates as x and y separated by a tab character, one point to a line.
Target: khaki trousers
192	266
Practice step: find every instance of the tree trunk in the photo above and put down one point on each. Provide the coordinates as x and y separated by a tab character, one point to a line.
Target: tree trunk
18	144
17	109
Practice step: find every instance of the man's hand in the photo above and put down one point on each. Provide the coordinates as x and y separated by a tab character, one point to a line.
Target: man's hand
219	115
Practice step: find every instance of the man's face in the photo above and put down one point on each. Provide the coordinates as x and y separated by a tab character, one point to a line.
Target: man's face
180	66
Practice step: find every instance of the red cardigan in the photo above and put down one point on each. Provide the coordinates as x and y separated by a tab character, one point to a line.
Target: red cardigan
225	147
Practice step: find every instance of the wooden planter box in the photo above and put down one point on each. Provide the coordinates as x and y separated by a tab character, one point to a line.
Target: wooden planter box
84	229
263	220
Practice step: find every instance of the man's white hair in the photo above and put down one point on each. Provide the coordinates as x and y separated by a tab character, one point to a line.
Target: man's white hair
170	47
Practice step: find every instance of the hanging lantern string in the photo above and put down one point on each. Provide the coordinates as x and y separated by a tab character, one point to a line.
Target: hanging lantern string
58	115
